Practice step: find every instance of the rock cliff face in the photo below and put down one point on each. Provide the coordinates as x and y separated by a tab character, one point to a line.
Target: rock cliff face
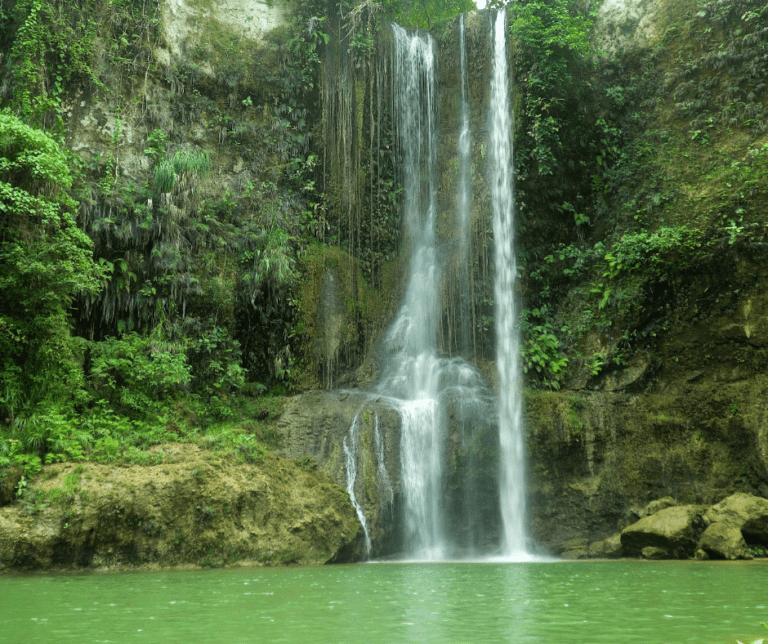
684	417
197	508
355	438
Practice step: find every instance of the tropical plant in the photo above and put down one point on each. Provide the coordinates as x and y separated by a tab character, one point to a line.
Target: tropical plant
45	260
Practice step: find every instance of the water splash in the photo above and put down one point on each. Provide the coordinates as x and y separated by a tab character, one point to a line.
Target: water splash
512	462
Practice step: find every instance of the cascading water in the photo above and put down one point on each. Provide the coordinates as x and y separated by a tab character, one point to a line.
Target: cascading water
351	446
431	393
512	462
445	408
412	372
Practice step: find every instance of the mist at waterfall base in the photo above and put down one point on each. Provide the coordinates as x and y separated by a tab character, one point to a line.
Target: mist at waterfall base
448	414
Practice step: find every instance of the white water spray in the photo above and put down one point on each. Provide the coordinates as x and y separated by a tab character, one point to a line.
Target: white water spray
512	461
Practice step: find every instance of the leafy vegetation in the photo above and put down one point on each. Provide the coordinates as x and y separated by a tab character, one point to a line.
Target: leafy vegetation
45	261
604	199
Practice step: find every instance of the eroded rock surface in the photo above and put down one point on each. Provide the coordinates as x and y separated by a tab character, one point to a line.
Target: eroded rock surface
745	512
316	424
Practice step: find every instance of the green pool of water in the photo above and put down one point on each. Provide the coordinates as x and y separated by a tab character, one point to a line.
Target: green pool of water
569	602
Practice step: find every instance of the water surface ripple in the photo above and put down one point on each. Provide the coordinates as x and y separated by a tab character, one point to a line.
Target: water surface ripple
568	602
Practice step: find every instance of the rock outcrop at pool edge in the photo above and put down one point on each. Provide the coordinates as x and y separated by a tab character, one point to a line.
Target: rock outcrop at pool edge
672	532
727	530
197	508
724	541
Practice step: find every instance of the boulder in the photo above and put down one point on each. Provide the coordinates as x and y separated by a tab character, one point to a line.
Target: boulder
746	512
634	513
574	549
724	541
579	552
198	507
659	504
609	548
675	530
652	552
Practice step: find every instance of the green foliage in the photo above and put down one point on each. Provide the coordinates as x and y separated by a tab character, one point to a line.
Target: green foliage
169	171
653	253
45	261
50	52
59	45
12	452
542	355
156	144
722	81
425	14
139	373
554	152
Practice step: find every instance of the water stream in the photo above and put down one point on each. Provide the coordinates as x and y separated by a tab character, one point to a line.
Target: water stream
464	198
351	445
512	458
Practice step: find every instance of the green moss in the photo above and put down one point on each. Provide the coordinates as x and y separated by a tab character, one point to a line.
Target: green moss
339	314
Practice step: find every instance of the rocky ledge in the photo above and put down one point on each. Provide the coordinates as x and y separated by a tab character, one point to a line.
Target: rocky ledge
196	508
731	529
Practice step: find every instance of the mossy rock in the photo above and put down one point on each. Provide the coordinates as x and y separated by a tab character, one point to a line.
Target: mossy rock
9	479
674	530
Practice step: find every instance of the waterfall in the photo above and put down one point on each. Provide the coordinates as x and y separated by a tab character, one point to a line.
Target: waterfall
438	398
411	374
351	446
511	467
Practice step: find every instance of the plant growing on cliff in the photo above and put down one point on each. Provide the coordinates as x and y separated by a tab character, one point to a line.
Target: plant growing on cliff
45	261
181	164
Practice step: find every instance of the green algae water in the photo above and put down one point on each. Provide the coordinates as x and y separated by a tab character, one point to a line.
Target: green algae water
568	602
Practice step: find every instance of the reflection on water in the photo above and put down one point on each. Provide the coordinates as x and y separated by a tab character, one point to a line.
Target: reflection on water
567	602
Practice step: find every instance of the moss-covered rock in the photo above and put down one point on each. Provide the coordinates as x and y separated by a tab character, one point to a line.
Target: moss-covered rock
746	512
724	541
319	424
673	532
597	459
610	548
197	508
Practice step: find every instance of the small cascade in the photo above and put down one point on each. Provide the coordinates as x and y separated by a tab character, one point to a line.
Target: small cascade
512	463
464	204
351	446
